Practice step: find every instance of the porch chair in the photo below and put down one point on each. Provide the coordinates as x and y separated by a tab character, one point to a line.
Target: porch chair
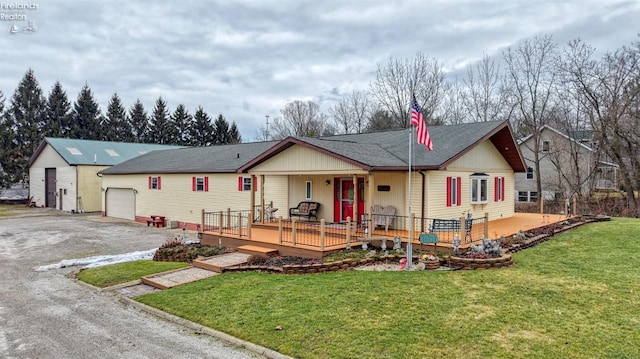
383	216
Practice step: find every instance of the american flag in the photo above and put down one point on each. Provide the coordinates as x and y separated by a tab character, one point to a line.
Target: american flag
422	132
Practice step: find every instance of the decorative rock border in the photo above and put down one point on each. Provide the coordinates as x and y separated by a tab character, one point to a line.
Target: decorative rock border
336	266
474	263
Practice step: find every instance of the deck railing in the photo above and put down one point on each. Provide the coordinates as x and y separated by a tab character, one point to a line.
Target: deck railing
227	222
322	234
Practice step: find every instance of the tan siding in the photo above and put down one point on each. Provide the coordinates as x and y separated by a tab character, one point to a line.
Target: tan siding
299	159
49	158
89	188
36	185
321	192
66	180
275	190
396	197
484	157
177	201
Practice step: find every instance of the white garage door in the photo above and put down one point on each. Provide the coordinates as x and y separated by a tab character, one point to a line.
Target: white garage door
121	203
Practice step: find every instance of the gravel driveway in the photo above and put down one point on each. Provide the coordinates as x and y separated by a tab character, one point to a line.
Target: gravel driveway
47	315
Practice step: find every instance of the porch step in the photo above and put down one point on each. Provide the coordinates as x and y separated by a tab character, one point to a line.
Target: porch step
218	263
257	250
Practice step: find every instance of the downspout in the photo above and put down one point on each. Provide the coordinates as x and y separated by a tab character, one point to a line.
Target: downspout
424	184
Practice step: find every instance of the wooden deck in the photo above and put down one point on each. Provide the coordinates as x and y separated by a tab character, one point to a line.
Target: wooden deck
266	235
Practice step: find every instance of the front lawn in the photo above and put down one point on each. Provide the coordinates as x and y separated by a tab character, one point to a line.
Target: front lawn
575	296
125	272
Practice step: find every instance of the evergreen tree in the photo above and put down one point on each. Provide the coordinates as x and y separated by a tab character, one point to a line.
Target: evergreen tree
201	131
115	125
87	117
58	120
161	130
139	122
234	135
6	139
221	133
181	121
25	117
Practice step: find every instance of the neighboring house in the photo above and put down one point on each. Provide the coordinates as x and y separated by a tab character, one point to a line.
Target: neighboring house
569	164
63	172
471	170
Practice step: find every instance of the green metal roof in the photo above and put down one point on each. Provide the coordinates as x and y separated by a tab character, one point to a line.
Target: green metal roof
103	153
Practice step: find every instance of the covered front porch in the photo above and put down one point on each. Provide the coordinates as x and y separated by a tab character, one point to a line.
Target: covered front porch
314	239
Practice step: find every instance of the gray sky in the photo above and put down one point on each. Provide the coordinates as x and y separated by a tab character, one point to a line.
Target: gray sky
248	58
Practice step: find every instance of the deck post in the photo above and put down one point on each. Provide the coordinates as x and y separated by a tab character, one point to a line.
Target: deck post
249	222
322	223
486	225
280	230
240	224
348	228
202	219
228	217
220	223
369	205
293	231
463	229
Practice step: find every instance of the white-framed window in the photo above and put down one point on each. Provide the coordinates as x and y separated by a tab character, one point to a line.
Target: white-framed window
308	190
529	173
244	184
527	196
155	182
479	188
200	184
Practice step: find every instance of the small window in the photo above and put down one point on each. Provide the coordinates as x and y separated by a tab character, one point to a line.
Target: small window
529	173
479	188
308	190
533	196
74	151
246	183
545	146
154	182
523	196
112	153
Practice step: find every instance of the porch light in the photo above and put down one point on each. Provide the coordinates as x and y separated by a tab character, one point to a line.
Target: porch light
327	182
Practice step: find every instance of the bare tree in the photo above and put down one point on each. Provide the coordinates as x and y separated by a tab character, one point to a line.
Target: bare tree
299	119
352	113
610	97
532	76
486	92
455	103
395	84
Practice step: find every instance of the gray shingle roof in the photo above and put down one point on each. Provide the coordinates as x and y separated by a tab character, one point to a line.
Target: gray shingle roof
211	159
90	152
386	150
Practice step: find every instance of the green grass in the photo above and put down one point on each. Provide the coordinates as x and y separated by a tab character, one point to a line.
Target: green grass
7	209
575	296
125	272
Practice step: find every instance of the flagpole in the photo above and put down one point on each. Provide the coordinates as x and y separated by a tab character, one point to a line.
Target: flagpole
409	244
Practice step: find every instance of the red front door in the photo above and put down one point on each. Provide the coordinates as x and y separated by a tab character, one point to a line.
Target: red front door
344	198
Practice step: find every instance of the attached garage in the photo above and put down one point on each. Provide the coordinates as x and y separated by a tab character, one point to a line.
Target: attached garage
121	203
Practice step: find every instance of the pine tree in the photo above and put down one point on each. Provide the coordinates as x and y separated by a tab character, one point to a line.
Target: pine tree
115	125
25	117
161	130
139	122
6	139
181	121
234	135
58	120
221	133
201	131
87	117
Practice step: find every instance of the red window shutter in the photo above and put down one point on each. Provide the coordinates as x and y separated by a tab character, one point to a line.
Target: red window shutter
255	184
240	183
194	186
496	188
502	188
159	182
206	184
149	182
459	191
448	191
